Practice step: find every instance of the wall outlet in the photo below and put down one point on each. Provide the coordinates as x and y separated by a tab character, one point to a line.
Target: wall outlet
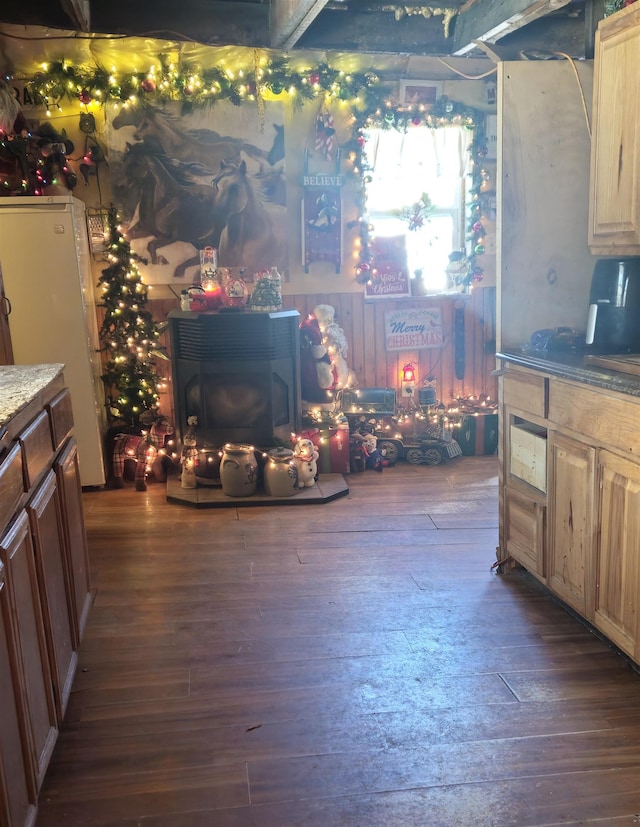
408	389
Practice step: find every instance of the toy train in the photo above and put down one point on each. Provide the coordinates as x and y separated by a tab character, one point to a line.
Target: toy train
374	410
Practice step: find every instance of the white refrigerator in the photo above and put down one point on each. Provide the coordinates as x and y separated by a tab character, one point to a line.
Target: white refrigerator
46	266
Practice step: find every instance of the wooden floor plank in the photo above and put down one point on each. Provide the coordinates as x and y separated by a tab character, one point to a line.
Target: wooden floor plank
351	664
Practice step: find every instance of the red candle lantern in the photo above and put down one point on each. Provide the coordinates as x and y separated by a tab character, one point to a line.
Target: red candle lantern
408	374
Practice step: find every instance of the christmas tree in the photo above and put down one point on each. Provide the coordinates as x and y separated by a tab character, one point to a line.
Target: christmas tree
128	334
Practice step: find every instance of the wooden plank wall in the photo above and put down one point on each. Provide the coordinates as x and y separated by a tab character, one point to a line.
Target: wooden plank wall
363	324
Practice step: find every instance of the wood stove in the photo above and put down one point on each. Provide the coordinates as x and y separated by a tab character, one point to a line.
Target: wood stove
238	373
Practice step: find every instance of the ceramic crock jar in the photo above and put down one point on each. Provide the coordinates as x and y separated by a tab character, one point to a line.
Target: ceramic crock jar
280	473
238	470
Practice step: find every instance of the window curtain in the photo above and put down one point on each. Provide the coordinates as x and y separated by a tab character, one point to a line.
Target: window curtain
406	164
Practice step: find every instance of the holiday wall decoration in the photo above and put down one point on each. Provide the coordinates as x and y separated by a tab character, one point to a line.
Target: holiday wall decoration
182	184
322	215
258	79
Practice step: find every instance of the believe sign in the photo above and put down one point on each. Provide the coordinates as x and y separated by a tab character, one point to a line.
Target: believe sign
413	329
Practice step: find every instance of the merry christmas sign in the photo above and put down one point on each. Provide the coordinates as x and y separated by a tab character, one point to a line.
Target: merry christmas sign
413	329
390	279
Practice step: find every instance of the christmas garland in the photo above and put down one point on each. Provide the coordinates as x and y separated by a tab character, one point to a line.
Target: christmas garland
262	77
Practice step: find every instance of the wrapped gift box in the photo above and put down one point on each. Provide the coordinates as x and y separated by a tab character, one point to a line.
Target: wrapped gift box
333	446
478	434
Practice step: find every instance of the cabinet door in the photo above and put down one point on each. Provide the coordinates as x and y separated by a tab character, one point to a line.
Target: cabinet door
17	800
68	477
614	217
524	531
16	552
618	560
572	522
45	518
6	351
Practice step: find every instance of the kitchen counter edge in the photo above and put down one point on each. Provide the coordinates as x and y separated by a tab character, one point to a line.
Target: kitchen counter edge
572	366
21	384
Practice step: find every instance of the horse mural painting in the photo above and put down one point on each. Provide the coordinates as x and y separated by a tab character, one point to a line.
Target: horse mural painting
169	182
172	205
253	236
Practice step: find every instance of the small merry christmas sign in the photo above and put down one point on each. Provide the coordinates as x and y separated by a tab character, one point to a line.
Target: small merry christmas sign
390	279
413	329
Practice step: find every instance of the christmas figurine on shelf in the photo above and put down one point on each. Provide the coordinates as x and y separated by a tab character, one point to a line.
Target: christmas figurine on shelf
189	455
267	294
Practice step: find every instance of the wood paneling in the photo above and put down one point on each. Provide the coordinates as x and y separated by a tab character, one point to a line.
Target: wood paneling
363	325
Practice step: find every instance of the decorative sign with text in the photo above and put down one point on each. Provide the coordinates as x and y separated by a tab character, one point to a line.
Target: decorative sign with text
391	279
322	216
413	329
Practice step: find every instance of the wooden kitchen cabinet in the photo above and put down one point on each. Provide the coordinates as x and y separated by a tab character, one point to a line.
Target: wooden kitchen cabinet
581	535
17	797
614	202
67	473
572	522
45	517
32	666
44	580
617	602
523	452
6	350
524	530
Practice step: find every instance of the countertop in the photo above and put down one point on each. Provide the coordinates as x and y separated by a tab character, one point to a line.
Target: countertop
19	384
572	365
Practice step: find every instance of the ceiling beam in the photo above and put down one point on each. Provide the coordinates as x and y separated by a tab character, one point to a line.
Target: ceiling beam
289	19
489	21
380	32
79	13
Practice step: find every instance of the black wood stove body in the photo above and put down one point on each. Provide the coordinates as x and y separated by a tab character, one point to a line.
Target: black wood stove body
238	373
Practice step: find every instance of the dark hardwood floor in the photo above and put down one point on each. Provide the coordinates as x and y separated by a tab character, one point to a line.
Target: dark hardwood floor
352	664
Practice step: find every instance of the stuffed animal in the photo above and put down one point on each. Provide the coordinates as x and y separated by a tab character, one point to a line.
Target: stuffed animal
306	457
364	452
373	457
144	449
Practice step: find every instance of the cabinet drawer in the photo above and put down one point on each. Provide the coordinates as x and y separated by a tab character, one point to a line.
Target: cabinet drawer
61	414
11	484
36	447
607	419
525	531
526	393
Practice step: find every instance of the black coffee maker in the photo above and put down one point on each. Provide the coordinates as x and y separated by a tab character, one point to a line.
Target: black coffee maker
613	321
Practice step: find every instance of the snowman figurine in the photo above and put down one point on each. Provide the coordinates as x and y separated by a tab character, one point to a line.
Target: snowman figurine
306	457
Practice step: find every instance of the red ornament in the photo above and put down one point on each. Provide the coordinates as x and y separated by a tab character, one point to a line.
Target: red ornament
148	85
251	87
361	141
416	120
477	227
85	96
314	78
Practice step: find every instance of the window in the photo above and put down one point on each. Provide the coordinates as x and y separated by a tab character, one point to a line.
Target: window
404	165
